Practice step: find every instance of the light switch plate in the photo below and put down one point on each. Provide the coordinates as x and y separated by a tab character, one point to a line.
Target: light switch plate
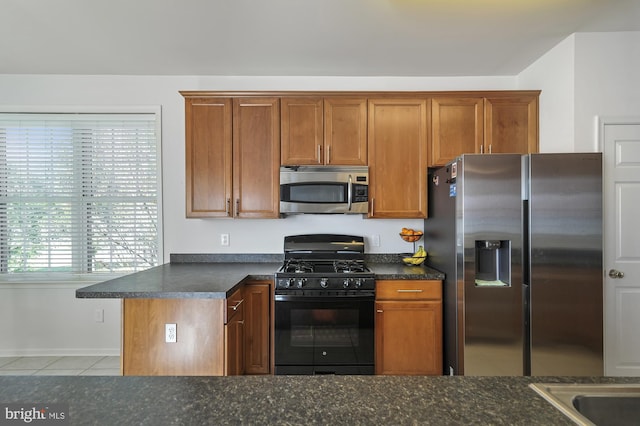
224	239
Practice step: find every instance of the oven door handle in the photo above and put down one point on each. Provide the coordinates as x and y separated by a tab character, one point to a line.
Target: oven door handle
365	296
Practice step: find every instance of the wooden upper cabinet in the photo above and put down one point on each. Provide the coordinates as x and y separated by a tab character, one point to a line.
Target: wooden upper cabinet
345	131
511	124
502	123
232	157
398	136
457	126
302	131
256	157
208	156
319	131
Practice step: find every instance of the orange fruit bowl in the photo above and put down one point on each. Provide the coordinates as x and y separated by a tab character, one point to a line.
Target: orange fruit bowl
411	237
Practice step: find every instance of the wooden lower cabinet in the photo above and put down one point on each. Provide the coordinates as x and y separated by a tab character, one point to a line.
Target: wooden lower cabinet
199	349
234	334
215	337
257	327
409	327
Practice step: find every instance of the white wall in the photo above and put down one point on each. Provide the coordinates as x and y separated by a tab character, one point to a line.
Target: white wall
585	76
607	81
554	73
47	319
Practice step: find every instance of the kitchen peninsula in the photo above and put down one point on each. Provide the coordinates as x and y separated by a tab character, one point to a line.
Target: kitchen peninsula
219	306
217	276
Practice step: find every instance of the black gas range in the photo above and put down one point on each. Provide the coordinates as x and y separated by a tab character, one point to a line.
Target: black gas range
324	264
324	307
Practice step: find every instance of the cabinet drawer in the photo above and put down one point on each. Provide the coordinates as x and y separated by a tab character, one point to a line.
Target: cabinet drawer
408	290
235	305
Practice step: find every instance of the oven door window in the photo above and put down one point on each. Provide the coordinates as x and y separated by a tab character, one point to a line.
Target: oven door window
324	332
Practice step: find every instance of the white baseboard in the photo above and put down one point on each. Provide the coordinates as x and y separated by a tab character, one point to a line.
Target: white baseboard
60	352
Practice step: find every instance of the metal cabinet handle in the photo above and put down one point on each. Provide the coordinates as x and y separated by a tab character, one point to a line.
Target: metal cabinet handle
228	206
379	311
328	155
237	305
415	290
490	146
614	273
349	193
481	149
237	206
319	154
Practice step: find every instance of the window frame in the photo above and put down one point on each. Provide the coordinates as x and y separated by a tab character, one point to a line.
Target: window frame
156	110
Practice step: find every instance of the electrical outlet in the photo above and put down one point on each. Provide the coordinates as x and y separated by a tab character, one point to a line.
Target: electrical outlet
170	333
98	315
375	240
224	239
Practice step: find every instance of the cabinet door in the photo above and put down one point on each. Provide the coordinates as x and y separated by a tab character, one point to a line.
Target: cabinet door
456	128
511	125
208	157
398	158
345	131
409	338
302	132
235	333
256	157
257	296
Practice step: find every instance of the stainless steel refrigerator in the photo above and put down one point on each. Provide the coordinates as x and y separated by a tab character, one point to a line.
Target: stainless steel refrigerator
519	239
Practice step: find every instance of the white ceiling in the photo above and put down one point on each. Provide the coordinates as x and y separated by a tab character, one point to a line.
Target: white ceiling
295	37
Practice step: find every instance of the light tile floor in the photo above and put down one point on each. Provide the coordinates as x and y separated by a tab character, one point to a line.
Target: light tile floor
60	366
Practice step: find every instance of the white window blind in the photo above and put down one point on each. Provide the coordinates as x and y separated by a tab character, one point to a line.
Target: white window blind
78	192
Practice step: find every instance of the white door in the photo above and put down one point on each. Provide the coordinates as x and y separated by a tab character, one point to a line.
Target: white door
620	142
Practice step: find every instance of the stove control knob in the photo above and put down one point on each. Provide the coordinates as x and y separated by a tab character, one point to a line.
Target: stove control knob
288	283
358	283
324	282
346	282
301	282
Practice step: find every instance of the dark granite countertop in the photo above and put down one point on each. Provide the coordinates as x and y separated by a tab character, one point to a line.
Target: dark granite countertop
293	400
181	281
217	276
400	271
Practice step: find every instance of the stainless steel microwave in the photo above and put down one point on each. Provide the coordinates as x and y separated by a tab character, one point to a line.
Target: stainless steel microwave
324	189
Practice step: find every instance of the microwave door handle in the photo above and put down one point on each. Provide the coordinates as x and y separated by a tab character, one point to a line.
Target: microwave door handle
350	193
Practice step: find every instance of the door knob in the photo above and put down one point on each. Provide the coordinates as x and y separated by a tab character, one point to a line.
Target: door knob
613	273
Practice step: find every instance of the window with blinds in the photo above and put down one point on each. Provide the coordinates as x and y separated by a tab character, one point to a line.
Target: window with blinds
78	192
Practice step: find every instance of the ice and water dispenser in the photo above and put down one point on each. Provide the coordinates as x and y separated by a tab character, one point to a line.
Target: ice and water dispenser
493	263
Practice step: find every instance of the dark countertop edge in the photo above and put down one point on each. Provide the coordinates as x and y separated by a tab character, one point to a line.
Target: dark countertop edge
84	293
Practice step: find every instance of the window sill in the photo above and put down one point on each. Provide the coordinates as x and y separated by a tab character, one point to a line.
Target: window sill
48	280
